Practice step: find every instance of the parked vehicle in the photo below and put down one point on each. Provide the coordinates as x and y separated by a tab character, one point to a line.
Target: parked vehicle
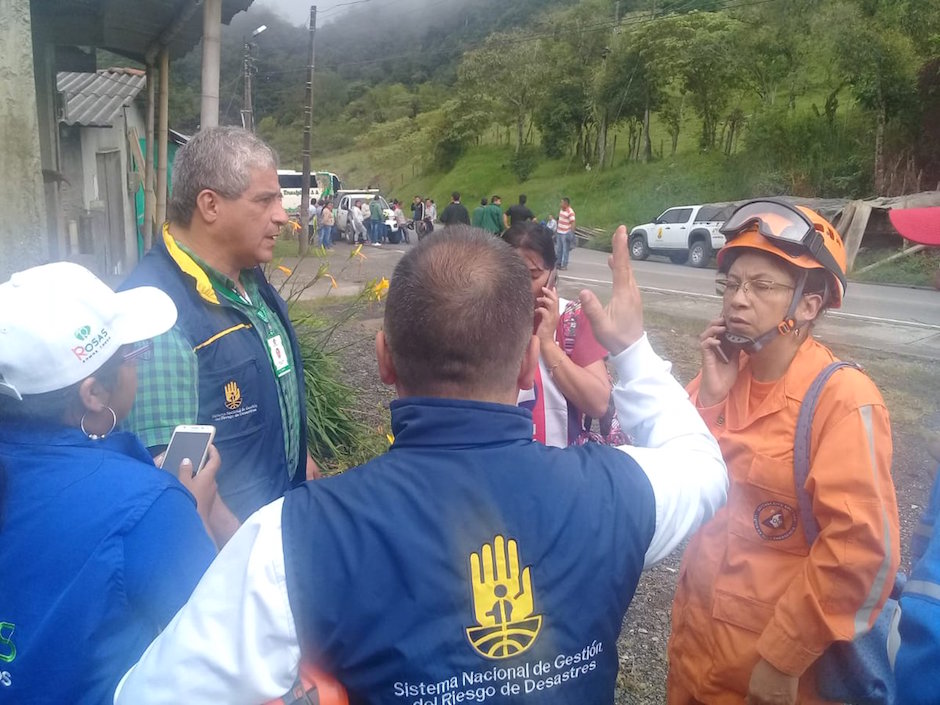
683	234
322	183
344	199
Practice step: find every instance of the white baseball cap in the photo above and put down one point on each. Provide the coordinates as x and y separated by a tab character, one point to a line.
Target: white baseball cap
59	324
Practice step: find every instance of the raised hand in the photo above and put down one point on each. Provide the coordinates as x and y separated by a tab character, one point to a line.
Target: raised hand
620	324
548	316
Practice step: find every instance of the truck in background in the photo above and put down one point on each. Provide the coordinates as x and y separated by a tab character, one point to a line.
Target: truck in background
322	183
684	234
343	200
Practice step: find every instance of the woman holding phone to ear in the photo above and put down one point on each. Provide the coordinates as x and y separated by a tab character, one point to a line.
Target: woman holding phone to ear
757	601
100	547
572	379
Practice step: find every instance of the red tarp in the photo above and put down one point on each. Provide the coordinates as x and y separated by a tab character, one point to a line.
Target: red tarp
920	225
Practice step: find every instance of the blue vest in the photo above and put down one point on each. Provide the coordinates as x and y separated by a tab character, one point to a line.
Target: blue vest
70	624
469	563
249	434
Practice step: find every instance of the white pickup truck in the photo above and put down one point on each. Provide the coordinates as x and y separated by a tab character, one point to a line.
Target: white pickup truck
683	234
347	198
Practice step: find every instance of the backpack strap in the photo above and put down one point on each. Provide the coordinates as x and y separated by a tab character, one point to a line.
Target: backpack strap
801	447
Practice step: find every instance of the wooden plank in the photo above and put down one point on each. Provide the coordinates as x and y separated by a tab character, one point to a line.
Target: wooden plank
585	235
852	237
134	140
909	250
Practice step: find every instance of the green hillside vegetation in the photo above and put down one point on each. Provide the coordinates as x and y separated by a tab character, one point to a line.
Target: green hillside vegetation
627	191
625	106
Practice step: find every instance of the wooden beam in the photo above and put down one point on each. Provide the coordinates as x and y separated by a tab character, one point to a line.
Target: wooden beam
150	198
897	255
163	129
133	140
852	235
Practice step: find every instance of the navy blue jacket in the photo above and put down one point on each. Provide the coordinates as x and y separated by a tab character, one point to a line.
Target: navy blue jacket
249	433
498	567
98	550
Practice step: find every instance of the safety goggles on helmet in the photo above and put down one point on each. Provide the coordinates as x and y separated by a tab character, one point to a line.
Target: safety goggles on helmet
785	226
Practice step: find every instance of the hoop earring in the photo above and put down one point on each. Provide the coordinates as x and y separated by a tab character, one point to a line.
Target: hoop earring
95	436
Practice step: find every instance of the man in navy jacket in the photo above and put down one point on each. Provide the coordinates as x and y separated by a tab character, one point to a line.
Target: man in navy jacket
469	563
232	360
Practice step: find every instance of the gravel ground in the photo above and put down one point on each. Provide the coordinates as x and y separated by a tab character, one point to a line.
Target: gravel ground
910	388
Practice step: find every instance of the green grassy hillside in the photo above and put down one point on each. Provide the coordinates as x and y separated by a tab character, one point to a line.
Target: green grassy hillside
629	193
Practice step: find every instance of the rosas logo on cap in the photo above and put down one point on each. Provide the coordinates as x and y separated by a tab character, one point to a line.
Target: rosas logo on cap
92	344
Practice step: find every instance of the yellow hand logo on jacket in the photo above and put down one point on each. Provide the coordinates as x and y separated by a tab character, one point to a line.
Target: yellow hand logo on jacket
233	396
503	602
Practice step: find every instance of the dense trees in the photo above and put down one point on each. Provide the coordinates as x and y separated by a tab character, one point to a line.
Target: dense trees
831	95
782	80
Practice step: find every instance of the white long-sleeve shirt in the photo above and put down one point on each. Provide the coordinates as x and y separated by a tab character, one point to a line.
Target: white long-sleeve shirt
235	641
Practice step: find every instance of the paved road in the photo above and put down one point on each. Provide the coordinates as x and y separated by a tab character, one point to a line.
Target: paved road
888	318
892	319
870	301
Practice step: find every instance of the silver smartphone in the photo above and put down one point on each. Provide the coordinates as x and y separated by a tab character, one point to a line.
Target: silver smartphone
188	442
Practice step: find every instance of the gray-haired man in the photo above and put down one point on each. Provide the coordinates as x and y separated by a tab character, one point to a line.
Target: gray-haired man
232	359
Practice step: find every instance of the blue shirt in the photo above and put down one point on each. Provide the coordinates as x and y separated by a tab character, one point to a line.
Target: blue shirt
100	549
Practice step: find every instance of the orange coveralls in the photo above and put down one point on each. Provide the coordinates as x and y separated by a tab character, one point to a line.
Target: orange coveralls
750	587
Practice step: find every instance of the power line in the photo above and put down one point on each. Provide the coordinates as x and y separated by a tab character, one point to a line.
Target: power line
343	4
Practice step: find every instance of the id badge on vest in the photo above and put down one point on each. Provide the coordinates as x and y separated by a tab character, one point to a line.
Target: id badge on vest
278	355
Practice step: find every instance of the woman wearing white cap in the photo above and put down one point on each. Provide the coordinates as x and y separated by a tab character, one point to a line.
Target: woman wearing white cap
100	547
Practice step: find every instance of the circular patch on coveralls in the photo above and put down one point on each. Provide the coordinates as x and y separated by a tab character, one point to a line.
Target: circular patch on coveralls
774	521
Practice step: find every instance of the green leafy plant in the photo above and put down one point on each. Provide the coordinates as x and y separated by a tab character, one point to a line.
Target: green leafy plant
336	438
523	163
917	269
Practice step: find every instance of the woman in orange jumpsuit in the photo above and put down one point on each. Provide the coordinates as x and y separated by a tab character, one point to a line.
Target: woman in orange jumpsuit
756	605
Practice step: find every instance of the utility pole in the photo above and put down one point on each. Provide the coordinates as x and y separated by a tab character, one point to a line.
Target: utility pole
247	118
308	128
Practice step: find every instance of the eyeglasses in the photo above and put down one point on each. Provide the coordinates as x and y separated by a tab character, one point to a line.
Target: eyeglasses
138	351
760	287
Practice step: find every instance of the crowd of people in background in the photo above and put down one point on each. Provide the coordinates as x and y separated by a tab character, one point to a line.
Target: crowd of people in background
491	217
367	222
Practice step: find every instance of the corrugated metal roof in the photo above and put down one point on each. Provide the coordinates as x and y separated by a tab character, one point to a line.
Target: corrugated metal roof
94	99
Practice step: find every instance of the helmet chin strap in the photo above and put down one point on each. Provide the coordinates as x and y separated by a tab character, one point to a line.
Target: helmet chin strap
787	325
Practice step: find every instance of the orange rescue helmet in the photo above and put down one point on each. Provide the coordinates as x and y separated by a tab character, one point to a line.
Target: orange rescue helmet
795	234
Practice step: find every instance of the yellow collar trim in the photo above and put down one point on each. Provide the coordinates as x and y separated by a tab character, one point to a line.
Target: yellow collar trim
189	266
